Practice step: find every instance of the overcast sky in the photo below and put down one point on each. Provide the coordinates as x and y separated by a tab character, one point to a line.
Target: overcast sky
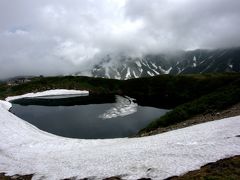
62	36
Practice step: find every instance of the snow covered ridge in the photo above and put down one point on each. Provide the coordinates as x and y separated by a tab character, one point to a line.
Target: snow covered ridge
55	92
123	107
24	149
188	62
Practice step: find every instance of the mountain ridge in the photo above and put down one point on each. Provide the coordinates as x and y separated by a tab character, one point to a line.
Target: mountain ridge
185	62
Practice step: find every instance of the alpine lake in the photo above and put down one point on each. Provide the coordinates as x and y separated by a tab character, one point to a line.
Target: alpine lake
86	117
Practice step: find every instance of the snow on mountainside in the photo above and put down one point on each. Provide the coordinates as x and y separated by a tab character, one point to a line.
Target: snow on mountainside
197	61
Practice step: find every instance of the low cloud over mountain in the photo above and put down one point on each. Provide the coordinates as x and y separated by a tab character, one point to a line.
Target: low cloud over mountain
52	37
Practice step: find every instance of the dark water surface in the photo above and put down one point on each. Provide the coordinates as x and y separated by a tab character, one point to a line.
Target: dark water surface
80	117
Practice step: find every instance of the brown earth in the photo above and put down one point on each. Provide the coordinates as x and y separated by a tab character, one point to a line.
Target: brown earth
15	177
225	169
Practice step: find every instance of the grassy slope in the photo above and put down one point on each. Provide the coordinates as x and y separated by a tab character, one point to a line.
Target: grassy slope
218	100
176	89
95	85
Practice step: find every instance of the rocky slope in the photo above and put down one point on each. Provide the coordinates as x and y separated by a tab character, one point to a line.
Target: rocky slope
185	62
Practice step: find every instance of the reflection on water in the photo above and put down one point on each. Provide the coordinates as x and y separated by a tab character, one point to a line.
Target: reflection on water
86	121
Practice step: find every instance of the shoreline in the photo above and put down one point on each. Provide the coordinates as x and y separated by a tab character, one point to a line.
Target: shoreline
54	92
202	118
127	153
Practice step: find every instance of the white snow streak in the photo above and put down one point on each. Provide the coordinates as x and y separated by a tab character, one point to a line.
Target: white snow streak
128	75
138	64
194	61
165	71
134	74
168	71
151	74
154	65
107	72
157	73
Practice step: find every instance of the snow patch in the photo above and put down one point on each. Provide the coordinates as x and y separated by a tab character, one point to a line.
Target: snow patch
194	61
165	71
123	107
117	76
179	70
55	92
168	71
154	65
151	74
134	74
128	75
107	72
155	71
5	105
138	64
147	63
144	63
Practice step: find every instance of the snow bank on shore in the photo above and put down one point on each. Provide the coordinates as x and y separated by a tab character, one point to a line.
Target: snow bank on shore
24	149
54	92
5	105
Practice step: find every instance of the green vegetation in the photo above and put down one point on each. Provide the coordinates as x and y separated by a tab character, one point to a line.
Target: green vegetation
215	101
94	85
176	89
188	95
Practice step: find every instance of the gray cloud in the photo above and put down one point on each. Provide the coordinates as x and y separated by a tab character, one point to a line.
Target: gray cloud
188	24
62	36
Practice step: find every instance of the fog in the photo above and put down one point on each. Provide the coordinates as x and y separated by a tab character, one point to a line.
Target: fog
59	37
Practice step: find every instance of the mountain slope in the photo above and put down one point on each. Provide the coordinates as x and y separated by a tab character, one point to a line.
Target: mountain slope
186	62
